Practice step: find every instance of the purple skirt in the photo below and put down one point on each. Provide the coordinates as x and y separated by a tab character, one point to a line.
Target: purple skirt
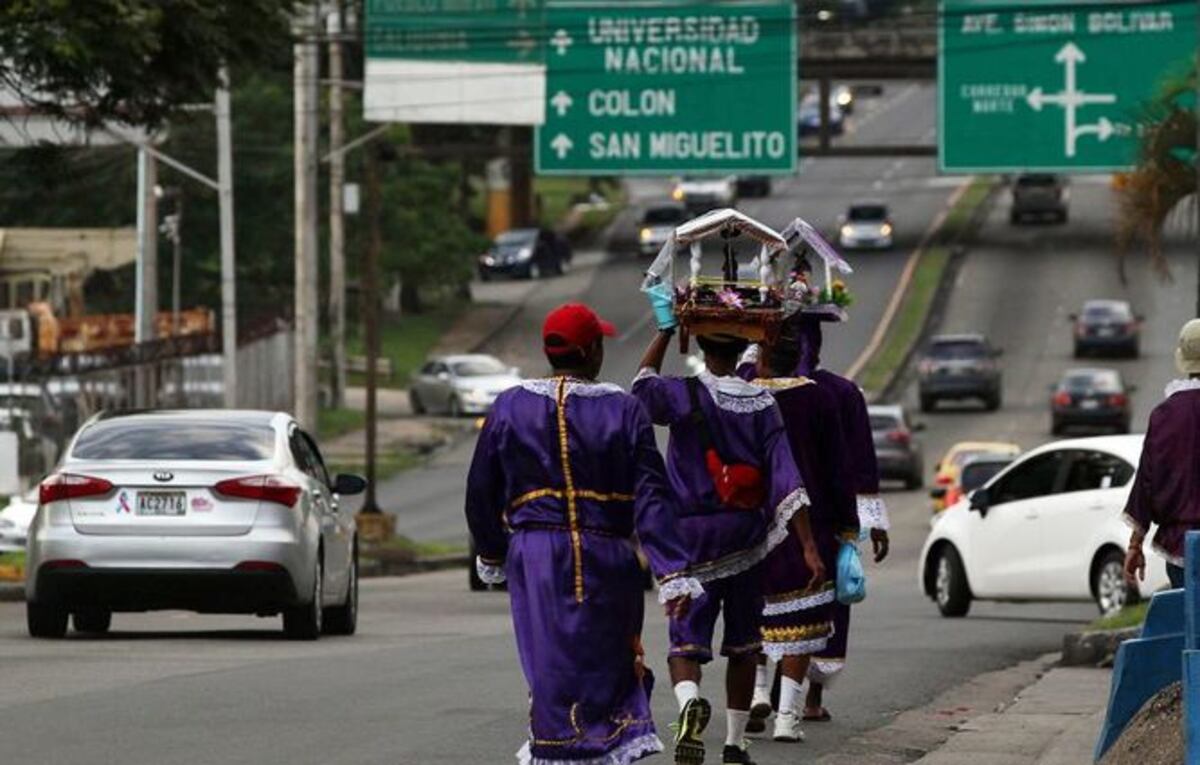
798	618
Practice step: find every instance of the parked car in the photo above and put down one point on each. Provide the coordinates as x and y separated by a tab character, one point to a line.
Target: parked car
1039	195
899	453
458	385
1107	326
215	511
699	194
959	367
15	519
1091	398
527	253
1048	528
948	487
754	186
808	117
657	225
843	96
866	225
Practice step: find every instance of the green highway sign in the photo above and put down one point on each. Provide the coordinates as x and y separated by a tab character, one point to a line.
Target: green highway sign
660	88
1053	85
497	31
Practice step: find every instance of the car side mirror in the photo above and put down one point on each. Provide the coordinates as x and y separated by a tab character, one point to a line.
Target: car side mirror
348	484
981	500
938	492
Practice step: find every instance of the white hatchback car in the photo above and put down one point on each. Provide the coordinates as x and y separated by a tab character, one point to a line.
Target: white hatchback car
1047	528
214	511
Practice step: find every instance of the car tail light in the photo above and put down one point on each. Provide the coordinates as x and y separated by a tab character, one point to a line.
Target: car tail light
926	367
264	488
943	480
62	486
1117	399
899	436
953	494
259	566
64	563
1062	399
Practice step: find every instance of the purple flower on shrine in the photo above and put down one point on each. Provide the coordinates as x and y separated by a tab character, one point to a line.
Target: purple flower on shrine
730	299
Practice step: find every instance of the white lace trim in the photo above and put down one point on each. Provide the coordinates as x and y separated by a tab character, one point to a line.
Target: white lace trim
489	574
872	513
678	587
631	751
645	373
1179	386
749	558
733	394
751	355
548	387
777	651
800	604
824	670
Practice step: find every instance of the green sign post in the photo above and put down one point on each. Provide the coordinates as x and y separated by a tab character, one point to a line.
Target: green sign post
496	31
1053	85
669	87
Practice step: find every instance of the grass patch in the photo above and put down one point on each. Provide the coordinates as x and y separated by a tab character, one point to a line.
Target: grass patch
407	341
403	545
13	559
909	320
332	423
387	465
1130	616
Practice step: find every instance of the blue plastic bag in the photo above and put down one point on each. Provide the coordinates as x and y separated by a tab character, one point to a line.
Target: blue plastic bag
851	580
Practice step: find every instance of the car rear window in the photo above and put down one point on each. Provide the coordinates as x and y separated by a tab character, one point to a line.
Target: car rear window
657	216
977	474
1113	311
884	422
1103	382
867	213
175	440
1040	181
957	349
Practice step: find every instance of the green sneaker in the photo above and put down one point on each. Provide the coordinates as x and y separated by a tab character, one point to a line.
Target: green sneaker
689	732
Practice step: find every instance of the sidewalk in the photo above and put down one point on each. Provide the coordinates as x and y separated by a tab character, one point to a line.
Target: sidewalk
1055	721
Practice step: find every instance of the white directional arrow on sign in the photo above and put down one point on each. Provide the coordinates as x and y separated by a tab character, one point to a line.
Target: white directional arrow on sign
1071	98
523	43
561	41
562	145
562	102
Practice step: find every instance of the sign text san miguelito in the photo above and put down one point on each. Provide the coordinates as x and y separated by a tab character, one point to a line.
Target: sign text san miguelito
692	46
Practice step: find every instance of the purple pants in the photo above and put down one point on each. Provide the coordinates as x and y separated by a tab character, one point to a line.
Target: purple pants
740	599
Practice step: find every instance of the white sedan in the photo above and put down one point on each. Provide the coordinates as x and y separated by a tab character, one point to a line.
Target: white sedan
15	519
1047	528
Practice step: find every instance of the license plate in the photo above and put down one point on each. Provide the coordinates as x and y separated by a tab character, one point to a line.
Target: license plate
1106	332
161	503
1089	404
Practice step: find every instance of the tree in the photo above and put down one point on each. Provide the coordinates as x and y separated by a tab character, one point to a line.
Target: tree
132	61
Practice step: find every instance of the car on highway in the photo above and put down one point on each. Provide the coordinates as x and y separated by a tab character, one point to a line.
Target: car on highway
947	473
1107	326
753	186
657	224
808	117
702	193
1095	398
958	367
866	225
897	449
462	384
526	253
15	519
843	96
1039	195
214	511
1047	528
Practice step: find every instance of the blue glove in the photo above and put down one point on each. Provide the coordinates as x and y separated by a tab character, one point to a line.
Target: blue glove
662	302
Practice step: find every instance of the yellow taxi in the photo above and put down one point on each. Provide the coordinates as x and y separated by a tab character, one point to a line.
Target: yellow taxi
947	488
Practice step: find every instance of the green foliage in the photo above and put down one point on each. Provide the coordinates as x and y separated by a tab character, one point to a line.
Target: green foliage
135	61
1130	616
407	341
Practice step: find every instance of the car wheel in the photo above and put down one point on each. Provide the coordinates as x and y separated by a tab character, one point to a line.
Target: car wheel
484	276
534	272
992	402
1108	583
343	619
1056	428
95	622
951	591
303	622
1014	218
46	620
928	403
1063	216
1078	351
418	406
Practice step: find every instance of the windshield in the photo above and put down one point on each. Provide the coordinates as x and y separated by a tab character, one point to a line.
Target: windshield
1106	311
175	439
978	473
867	213
478	368
1040	181
657	216
957	349
883	422
519	238
1105	382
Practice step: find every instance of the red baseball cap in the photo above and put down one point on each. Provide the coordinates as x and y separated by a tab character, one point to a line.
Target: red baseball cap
573	327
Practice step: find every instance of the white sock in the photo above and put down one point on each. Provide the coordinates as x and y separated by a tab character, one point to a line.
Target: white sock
762	683
685	691
735	726
789	691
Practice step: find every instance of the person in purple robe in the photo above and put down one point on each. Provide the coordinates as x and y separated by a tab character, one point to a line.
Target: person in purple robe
1166	491
722	427
565	477
798	615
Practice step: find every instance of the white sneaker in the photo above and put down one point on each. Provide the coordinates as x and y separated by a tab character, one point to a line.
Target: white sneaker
787	726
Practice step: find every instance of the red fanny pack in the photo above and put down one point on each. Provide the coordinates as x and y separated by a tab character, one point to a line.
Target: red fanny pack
738	486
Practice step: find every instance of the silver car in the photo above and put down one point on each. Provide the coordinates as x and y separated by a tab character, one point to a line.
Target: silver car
458	385
214	511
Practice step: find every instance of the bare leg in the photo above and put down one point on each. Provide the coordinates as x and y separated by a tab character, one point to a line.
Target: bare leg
796	667
739	681
683	669
813	703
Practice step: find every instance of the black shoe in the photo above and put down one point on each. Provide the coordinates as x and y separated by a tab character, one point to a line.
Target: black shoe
758	717
736	755
689	732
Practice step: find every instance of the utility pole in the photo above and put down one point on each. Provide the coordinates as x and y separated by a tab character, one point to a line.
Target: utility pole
370	303
228	261
146	278
305	74
337	231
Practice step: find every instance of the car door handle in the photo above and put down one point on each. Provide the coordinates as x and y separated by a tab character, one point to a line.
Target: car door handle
1031	514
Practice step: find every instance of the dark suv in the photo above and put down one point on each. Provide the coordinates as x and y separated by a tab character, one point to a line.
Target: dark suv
1039	195
959	367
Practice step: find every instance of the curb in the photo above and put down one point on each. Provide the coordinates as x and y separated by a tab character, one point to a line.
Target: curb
383	568
498	328
1095	648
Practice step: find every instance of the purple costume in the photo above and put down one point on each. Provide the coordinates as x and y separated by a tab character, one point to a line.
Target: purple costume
725	545
564	475
1166	490
797	619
